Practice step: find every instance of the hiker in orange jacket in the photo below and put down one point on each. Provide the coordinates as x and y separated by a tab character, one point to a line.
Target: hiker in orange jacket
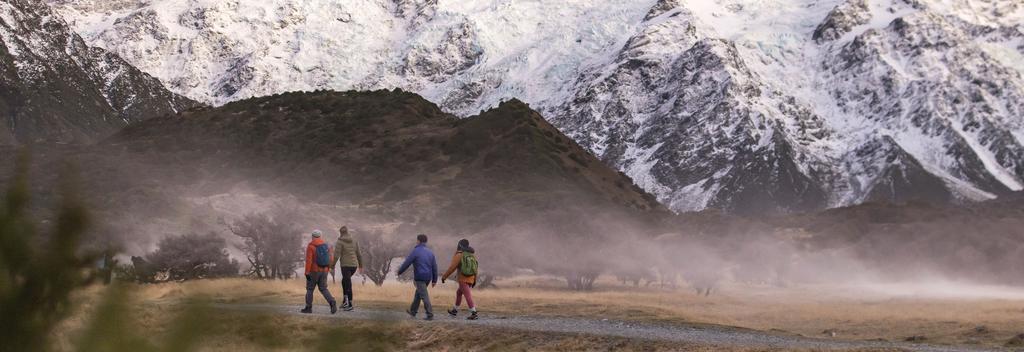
318	266
466	282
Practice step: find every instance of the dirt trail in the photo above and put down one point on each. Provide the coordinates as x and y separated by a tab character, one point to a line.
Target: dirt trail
695	334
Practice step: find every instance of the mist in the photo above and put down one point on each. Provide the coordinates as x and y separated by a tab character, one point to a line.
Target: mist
529	199
613	248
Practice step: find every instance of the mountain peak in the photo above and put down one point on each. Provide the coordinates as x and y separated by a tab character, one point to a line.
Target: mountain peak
669	92
58	89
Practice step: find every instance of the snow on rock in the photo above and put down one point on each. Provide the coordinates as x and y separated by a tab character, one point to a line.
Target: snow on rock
744	105
56	88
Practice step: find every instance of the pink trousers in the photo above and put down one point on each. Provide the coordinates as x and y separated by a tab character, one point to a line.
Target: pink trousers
464	290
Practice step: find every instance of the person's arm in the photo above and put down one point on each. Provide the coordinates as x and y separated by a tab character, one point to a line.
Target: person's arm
405	264
359	256
433	268
337	254
456	259
309	259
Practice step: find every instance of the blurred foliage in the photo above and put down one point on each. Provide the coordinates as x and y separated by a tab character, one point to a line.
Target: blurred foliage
113	328
373	338
40	272
37	273
110	329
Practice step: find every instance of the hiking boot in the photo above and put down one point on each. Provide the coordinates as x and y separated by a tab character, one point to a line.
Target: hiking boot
472	316
453	312
429	318
334	307
348	307
410	313
307	310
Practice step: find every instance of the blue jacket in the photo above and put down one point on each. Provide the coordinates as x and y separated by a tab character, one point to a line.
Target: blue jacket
424	265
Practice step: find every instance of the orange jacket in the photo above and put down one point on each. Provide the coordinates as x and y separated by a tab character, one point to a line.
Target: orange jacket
456	260
311	257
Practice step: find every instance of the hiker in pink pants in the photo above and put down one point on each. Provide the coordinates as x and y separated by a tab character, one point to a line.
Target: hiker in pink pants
464	262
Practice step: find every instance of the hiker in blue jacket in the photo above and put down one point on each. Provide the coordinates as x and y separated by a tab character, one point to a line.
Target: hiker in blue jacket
424	273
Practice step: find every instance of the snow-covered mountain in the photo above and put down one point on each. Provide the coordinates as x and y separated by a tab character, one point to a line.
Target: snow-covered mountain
54	87
744	105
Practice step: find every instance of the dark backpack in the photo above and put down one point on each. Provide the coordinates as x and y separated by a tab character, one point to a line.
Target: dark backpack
323	255
468	264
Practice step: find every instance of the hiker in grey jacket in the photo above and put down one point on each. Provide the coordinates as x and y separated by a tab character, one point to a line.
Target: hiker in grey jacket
347	255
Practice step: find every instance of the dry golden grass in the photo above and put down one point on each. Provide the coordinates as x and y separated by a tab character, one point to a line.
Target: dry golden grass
807	311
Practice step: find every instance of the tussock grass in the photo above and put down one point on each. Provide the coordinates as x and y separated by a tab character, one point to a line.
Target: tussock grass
801	310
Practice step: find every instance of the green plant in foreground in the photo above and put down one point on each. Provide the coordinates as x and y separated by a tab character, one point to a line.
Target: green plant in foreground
37	273
113	330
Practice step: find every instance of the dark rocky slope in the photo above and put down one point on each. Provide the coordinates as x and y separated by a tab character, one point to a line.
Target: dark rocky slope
367	157
55	88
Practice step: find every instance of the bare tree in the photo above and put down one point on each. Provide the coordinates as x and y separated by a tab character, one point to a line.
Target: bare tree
581	269
378	255
273	246
485	281
635	276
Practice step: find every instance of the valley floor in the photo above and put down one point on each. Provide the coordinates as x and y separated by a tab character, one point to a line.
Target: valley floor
538	313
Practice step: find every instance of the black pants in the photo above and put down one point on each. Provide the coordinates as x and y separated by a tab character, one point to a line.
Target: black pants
346	283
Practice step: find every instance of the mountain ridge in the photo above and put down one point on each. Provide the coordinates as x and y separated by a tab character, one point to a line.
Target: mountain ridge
814	98
389	147
58	89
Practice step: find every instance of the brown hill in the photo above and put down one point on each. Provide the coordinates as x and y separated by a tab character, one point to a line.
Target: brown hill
507	179
378	157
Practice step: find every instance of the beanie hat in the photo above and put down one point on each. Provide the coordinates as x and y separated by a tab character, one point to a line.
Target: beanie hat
317	233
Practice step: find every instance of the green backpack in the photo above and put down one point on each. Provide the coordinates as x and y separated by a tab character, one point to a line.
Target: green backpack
468	265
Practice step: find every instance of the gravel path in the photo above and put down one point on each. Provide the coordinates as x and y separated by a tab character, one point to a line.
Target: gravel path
701	335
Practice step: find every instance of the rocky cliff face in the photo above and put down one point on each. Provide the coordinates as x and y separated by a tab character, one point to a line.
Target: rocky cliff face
742	105
923	81
55	88
700	127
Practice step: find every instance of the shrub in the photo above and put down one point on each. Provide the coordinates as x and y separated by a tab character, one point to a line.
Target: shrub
37	273
193	256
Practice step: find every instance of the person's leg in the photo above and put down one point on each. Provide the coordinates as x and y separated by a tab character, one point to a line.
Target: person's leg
426	301
310	284
415	307
458	301
458	296
322	283
468	293
346	284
